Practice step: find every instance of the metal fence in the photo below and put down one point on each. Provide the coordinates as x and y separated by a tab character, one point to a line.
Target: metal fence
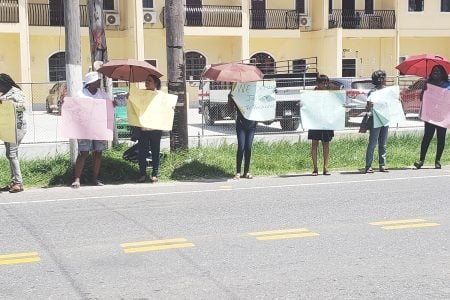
44	127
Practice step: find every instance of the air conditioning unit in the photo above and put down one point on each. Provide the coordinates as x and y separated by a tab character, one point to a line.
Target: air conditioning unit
150	17
112	19
305	21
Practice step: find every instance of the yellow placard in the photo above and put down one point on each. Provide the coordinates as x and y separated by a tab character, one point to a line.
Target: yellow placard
151	109
8	122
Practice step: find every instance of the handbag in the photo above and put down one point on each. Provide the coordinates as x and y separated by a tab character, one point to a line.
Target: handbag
366	123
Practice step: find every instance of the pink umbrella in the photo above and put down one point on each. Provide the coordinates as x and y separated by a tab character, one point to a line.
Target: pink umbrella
132	70
421	65
233	72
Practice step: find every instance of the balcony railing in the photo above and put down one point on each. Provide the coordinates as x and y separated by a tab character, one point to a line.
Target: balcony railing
9	11
45	15
273	19
213	16
358	19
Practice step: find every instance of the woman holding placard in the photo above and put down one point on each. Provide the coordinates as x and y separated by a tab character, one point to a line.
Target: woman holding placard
438	77
10	91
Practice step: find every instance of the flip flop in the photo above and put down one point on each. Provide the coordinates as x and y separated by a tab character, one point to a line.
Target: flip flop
75	185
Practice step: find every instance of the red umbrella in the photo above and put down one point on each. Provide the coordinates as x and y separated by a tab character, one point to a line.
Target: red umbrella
421	65
233	72
132	70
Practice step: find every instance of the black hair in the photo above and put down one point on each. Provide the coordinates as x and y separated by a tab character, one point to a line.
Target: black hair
7	82
444	74
378	77
156	80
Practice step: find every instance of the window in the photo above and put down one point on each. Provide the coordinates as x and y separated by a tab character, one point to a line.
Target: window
264	62
147	4
300	6
109	4
195	63
57	67
330	6
348	67
445	5
415	5
153	62
368	8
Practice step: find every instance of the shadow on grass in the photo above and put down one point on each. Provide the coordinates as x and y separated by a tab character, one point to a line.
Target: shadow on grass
198	171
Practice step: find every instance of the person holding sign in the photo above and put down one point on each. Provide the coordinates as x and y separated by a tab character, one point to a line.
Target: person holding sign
245	131
377	135
316	135
149	138
10	91
438	77
91	90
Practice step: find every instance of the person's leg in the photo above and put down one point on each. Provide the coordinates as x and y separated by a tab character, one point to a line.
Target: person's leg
96	164
155	145
240	133
382	146
249	135
12	153
79	165
427	136
314	145
440	134
326	156
373	138
143	147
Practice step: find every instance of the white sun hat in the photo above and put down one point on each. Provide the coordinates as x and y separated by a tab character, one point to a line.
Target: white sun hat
91	77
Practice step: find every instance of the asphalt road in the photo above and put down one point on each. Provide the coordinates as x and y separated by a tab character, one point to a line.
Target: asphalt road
345	236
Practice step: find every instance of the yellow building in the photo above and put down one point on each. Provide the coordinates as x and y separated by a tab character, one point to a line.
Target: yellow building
345	37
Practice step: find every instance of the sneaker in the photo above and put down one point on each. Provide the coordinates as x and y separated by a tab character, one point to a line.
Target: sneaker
16	188
383	169
418	164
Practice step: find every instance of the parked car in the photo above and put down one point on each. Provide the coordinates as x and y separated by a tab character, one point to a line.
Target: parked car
357	90
410	97
55	97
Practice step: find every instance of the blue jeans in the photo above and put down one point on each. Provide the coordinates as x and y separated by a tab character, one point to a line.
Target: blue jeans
377	136
12	153
149	139
245	131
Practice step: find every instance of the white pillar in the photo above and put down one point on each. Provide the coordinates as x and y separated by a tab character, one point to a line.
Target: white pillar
245	39
139	31
24	41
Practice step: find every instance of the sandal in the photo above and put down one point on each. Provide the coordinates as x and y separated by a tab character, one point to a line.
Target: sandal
237	176
326	172
98	183
154	179
368	170
248	176
315	172
75	185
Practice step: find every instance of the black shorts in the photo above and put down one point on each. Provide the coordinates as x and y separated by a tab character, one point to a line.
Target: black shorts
320	135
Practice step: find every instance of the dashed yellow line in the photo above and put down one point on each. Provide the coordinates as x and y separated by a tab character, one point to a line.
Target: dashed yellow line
18	258
283	234
156	245
403	224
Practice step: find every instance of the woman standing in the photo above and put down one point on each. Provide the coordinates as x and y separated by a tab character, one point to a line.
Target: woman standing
316	135
438	77
149	138
245	131
10	91
377	135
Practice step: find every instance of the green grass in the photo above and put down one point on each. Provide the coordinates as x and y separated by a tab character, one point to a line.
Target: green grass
278	158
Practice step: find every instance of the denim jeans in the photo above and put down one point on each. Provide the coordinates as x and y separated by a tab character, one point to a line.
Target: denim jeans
377	136
12	153
245	131
150	139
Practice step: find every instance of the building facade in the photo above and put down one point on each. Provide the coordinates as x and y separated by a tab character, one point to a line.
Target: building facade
347	37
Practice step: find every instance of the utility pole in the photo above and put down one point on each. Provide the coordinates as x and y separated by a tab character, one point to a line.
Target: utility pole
73	57
99	51
174	14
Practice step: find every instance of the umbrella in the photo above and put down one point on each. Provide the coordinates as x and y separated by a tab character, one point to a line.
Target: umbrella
233	72
422	64
128	69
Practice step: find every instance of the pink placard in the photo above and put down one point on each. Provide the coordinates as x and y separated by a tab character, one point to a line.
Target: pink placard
436	106
87	118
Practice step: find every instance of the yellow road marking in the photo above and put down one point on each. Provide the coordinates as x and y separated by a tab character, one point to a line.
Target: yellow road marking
286	236
160	247
279	231
398	222
155	242
410	226
18	258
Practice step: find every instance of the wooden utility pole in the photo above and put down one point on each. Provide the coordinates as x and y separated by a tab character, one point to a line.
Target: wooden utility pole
73	57
99	51
176	71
